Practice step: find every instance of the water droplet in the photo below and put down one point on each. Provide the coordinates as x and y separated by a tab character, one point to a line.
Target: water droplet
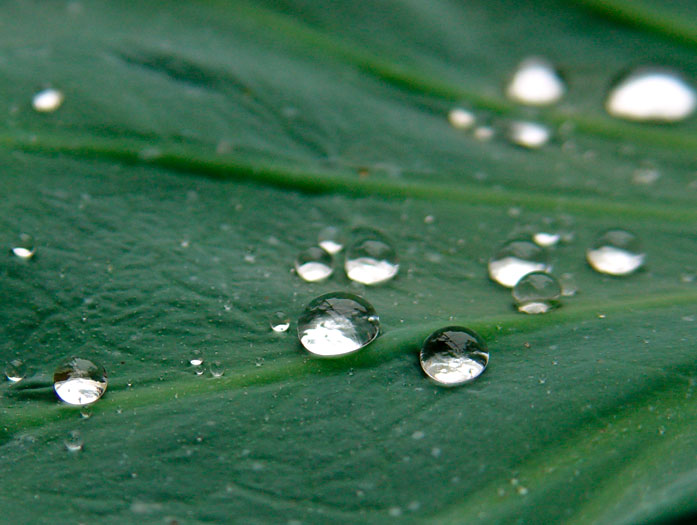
217	369
314	264
652	94
197	359
515	259
279	322
454	355
48	100
370	259
74	442
568	284
86	412
484	133
79	381
24	248
535	83
546	239
336	324
330	239
199	370
646	176
15	370
461	118
537	293
529	134
616	252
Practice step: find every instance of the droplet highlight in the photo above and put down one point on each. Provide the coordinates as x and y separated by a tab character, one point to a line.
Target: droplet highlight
616	252
537	293
337	324
454	355
461	118
314	265
515	259
24	247
535	83
48	100
79	381
370	259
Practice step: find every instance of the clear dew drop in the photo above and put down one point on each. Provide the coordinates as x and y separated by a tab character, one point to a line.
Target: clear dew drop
535	83
79	381
330	239
515	259
280	322
24	247
74	442
454	355
530	135
15	370
461	118
546	239
652	94
196	359
616	252
569	287
537	293
217	369
86	412
337	324
314	265
48	100
370	259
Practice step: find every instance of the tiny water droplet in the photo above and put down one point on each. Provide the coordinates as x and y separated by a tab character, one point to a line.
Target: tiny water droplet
652	94
645	176
24	247
74	441
280	322
546	239
314	265
529	134
330	239
79	381
461	118
568	284
86	412
15	370
371	258
199	370
48	100
616	252
484	133
535	83
217	369
454	355
259	361
336	324
537	293
197	359
515	259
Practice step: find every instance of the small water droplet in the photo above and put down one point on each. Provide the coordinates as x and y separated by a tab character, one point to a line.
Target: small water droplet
546	239
15	370
568	284
74	442
537	293
616	252
529	134
419	434
217	369
395	512
314	265
371	258
196	359
336	324
645	176
86	412
515	259
461	118
79	381
652	94
48	100
24	247
454	355
330	239
199	370
279	322
535	83
429	219
484	133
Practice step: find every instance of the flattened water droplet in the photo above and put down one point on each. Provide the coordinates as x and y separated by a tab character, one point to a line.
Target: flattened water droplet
652	94
616	252
515	259
535	83
370	259
24	247
314	265
79	381
454	355
279	322
337	324
74	441
15	370
537	293
529	135
48	100
461	118
330	239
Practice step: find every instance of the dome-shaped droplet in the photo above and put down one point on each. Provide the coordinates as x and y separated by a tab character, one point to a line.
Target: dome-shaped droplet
652	94
537	293
24	247
331	239
336	324
529	135
217	369
461	118
279	322
15	370
48	100
314	265
515	259
79	381
74	442
454	355
371	258
535	83
616	252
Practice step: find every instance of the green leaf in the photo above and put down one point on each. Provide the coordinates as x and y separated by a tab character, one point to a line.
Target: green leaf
202	145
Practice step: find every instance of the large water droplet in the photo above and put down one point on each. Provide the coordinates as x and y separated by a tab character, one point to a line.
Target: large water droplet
279	322
48	100
515	259
537	293
336	324
370	259
15	370
314	265
79	381
529	134
461	118
24	247
535	83
74	441
651	94
330	239
454	355
616	252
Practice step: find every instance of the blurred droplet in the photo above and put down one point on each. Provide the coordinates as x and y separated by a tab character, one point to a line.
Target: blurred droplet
535	83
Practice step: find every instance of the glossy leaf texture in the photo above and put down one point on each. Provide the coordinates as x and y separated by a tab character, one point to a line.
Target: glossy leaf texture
202	145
